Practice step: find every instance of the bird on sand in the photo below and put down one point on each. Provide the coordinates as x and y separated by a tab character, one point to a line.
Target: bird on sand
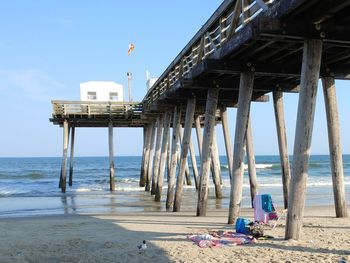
142	248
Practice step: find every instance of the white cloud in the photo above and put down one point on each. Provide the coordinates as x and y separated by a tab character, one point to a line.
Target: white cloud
31	83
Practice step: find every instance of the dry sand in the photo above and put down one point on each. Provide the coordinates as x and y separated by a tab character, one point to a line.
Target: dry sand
114	238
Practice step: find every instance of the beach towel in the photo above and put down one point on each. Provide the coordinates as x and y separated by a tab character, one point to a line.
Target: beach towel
264	209
259	214
216	239
266	203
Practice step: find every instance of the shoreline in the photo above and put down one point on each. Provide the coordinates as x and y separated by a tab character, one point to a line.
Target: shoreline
114	237
325	211
309	211
105	202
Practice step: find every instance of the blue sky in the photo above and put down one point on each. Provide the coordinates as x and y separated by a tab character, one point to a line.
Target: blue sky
48	47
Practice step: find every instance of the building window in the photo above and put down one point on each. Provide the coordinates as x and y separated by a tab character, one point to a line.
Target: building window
91	95
113	96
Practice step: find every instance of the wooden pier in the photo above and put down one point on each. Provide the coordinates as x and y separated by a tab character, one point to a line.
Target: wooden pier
246	50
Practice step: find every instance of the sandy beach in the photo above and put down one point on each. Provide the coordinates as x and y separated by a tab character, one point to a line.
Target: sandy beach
114	238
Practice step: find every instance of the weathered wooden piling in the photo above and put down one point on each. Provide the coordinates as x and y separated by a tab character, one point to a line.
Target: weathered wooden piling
163	158
312	53
173	157
244	99
150	158
142	170
227	138
111	157
191	105
157	154
71	156
251	162
194	164
282	143
64	158
187	169
168	157
215	162
335	148
146	159
210	111
216	154
214	173
199	134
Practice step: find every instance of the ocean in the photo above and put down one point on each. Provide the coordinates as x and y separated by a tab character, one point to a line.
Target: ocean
29	186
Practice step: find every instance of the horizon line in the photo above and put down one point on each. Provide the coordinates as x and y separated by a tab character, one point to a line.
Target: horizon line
106	156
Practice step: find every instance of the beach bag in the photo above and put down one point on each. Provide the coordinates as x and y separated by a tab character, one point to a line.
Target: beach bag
243	226
256	229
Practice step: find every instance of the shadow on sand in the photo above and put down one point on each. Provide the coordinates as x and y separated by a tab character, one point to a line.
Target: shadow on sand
77	238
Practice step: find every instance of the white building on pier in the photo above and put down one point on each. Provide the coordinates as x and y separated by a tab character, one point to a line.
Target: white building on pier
101	91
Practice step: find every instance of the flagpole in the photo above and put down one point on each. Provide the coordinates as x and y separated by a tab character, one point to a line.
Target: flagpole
129	74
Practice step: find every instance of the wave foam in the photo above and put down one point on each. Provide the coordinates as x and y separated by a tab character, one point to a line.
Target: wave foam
130	188
257	166
82	190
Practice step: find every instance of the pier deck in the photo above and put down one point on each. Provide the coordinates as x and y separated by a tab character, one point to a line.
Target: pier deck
97	114
266	38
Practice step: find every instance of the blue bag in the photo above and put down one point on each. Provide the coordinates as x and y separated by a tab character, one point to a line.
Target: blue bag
243	226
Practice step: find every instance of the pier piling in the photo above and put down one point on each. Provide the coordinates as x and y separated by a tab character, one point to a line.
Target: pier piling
214	173
227	138
150	158
251	162
64	158
111	157
142	172
71	156
187	169
173	157
168	157
210	110
194	164
244	99
163	157
157	154
199	134
335	149
215	164
282	143
306	108
146	159
191	105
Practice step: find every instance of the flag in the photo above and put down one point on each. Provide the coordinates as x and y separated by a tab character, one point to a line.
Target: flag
131	48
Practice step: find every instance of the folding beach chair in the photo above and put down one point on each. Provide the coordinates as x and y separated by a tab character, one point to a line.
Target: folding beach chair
264	209
281	214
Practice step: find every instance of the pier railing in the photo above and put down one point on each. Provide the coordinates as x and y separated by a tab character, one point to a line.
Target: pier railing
227	20
95	108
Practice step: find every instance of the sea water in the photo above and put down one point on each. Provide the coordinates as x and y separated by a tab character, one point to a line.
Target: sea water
29	186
